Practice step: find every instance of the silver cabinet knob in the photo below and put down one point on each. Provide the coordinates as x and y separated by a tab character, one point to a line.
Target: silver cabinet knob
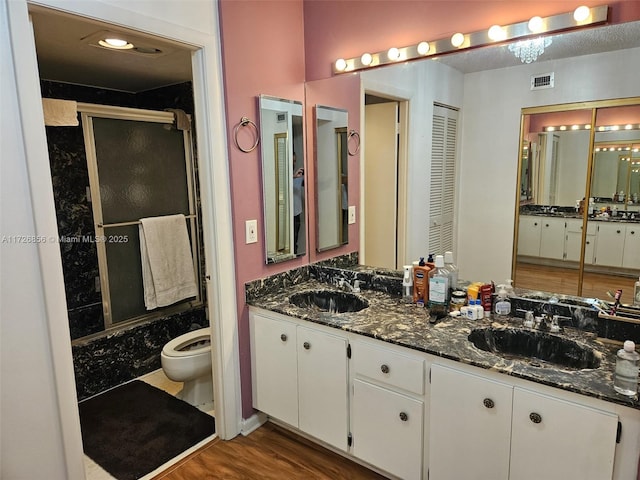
488	403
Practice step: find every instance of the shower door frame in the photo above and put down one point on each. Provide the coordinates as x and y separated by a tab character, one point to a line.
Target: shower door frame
89	111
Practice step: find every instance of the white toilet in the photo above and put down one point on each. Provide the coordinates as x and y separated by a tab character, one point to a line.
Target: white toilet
188	359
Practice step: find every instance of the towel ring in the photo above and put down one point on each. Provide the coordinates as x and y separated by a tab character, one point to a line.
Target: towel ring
244	121
356	135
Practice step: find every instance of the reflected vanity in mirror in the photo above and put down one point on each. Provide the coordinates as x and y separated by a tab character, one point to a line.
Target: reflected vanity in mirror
282	142
578	226
331	177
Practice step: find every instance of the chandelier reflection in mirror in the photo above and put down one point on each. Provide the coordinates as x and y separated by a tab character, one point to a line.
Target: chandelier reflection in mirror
528	51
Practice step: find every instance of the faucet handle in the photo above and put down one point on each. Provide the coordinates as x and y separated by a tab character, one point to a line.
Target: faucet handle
356	286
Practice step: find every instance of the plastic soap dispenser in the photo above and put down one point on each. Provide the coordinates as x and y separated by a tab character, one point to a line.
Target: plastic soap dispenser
626	376
503	305
407	284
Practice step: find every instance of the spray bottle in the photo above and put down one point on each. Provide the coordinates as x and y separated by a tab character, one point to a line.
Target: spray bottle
407	284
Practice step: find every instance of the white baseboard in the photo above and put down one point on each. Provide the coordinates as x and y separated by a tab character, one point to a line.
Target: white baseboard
255	421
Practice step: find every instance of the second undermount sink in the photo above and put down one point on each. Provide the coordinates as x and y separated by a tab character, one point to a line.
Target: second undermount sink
535	347
329	301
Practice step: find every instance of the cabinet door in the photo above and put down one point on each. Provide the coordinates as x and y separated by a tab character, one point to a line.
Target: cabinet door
553	439
275	371
387	430
610	244
529	236
323	386
470	426
631	257
552	238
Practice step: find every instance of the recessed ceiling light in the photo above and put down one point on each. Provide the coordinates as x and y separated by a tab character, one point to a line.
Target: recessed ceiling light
115	43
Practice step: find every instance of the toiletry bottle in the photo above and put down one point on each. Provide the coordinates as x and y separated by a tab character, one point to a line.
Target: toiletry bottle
453	270
503	304
486	299
421	283
636	293
407	284
471	312
592	206
626	375
479	309
439	289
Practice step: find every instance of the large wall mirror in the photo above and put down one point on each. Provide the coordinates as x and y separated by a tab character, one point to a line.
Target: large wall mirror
281	138
578	218
331	177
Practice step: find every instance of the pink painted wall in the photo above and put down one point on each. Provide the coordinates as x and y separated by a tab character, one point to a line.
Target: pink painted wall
348	28
263	53
606	116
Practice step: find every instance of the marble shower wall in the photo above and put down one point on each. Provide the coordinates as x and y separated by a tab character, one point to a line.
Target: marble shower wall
106	361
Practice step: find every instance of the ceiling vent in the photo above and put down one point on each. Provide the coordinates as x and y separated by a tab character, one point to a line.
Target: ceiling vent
544	80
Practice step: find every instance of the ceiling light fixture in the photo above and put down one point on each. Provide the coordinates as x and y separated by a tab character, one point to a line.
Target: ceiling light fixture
581	13
587	126
366	59
393	54
528	51
115	43
512	32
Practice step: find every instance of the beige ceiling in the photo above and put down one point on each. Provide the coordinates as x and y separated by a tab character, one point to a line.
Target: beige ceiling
66	55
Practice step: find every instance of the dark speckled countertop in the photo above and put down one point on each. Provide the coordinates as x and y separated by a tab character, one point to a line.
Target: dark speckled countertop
389	319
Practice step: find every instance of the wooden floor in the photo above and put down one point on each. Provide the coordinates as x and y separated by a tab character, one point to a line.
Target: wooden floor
270	452
565	281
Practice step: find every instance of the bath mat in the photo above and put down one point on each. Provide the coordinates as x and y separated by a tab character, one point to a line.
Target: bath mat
133	429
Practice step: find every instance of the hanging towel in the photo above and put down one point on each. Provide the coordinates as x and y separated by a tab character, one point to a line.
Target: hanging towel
60	113
167	265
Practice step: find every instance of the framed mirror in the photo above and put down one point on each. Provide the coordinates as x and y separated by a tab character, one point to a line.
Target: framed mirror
331	177
579	233
282	144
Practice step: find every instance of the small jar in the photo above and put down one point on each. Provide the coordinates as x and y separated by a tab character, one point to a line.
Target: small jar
458	299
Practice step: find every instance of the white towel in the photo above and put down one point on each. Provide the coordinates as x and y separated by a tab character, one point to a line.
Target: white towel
60	113
167	265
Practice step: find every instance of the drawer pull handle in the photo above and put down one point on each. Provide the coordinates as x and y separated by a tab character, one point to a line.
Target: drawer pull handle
384	368
535	417
617	231
535	224
404	417
488	403
283	337
306	345
632	232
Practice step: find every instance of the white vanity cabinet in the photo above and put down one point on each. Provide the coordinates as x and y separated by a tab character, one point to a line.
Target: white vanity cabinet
555	439
300	376
574	240
552	237
387	409
480	428
529	230
610	244
470	426
631	256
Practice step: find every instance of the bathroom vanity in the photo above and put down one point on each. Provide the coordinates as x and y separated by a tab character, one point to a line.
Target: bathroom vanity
413	400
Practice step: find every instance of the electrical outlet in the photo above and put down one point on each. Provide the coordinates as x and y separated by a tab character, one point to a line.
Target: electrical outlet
251	231
352	214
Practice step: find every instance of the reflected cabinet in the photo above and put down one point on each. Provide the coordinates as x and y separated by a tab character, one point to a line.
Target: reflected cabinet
577	220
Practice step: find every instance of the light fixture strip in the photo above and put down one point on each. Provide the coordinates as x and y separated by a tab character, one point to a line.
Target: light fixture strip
551	24
600	128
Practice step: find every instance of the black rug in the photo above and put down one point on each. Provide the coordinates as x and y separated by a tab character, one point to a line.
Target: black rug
134	428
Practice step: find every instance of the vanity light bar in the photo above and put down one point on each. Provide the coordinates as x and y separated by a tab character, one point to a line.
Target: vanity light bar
460	41
601	128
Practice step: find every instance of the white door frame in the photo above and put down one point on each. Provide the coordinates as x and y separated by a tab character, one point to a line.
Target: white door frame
215	194
403	97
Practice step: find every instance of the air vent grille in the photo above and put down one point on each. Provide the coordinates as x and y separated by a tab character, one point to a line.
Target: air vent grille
544	80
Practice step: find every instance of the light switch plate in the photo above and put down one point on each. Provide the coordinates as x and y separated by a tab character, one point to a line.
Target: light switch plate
251	234
352	214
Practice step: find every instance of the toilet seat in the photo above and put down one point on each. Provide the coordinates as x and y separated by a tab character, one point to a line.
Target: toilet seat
187	345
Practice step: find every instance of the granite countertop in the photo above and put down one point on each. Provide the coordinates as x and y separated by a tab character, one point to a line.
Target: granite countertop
598	218
391	320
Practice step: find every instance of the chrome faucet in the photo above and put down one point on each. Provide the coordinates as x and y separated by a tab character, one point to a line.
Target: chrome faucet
345	285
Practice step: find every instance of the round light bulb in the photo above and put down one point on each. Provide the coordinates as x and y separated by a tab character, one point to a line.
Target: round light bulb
115	42
341	64
551	129
497	33
366	59
581	13
563	128
575	127
393	53
628	127
423	48
587	126
536	24
457	39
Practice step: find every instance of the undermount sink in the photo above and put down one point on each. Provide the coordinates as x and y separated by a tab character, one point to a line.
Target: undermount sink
535	347
548	298
329	301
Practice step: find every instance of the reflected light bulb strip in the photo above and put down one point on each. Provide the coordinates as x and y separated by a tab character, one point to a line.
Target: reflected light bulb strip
539	26
600	128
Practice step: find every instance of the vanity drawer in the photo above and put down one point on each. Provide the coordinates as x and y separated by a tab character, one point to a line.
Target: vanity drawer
387	366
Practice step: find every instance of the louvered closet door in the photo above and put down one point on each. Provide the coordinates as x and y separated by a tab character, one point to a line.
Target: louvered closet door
442	186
